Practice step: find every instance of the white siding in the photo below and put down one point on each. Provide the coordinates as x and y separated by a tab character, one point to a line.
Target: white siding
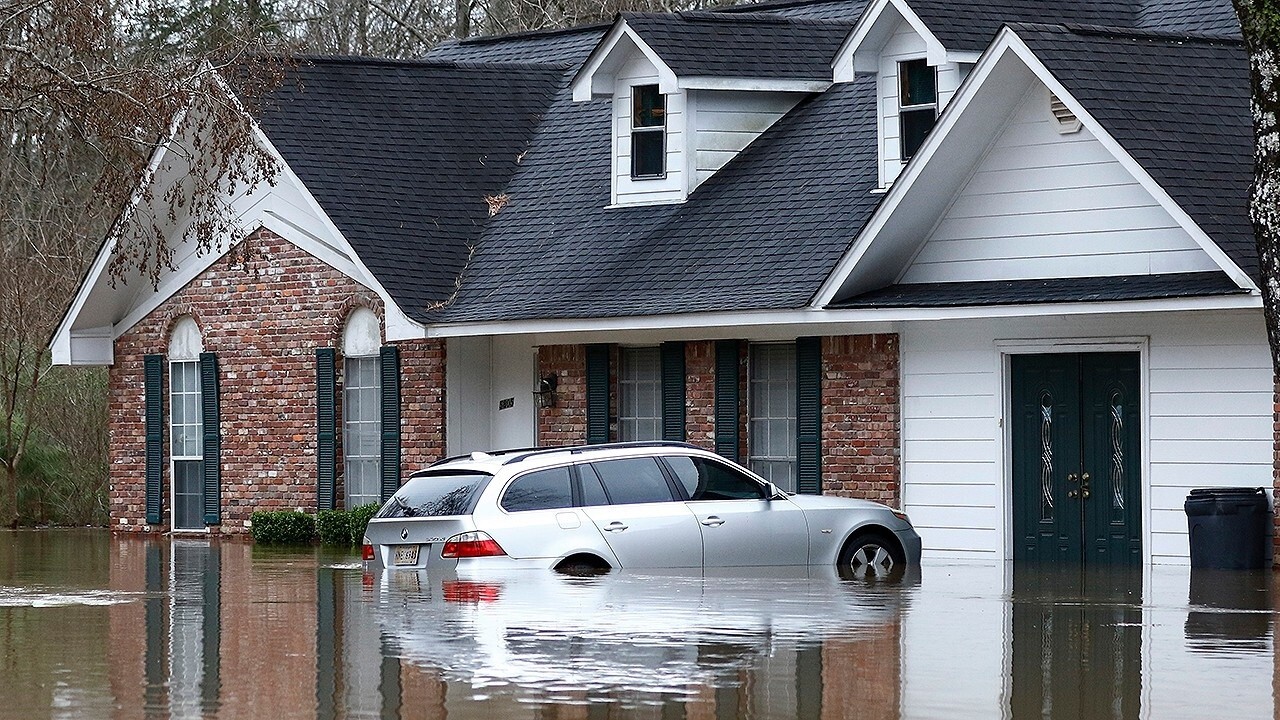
672	188
1207	393
725	122
1042	205
904	44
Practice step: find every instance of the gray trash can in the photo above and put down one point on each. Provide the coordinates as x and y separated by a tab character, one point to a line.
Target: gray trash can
1228	527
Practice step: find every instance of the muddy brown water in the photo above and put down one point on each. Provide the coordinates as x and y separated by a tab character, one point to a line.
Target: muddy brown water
96	626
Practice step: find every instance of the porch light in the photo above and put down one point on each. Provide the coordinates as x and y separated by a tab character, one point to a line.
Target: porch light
545	395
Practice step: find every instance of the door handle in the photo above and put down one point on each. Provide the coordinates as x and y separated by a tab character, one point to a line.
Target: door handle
712	521
1073	493
615	527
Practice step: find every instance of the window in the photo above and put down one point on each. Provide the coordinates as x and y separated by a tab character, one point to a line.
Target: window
771	438
639	394
918	100
635	480
648	132
186	428
439	495
540	490
362	409
709	480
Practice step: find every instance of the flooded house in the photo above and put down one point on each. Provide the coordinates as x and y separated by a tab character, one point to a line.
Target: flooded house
989	262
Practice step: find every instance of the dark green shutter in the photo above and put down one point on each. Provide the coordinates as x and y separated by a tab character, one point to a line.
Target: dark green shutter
389	369
153	380
326	428
210	416
211	627
597	394
809	415
728	369
673	391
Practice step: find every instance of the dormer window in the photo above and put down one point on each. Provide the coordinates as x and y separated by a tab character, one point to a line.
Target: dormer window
648	132
918	103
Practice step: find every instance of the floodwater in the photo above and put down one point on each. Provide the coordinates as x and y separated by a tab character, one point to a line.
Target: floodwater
95	626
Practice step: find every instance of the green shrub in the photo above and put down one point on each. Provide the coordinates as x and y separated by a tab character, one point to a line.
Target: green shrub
334	527
283	527
359	519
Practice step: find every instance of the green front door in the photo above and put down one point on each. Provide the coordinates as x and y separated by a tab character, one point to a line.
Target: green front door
1076	441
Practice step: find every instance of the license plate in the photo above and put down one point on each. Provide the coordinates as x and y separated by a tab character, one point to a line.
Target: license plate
406	555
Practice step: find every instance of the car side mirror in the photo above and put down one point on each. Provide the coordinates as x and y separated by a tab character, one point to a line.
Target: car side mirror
772	492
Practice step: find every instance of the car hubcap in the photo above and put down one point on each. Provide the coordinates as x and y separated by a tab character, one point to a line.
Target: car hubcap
871	561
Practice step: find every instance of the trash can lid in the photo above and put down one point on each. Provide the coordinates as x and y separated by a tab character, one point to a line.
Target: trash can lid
1228	492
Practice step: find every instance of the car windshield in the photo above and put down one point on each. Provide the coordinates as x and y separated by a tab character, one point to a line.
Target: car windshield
435	495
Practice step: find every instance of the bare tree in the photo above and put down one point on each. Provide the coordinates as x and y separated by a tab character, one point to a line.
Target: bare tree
81	113
1260	25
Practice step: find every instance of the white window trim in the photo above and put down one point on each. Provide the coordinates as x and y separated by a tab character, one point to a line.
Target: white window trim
751	456
361	341
623	382
185	345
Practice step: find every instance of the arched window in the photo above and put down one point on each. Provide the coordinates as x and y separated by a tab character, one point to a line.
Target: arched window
186	429
361	408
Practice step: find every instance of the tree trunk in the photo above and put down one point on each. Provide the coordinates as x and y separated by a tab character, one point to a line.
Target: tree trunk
9	497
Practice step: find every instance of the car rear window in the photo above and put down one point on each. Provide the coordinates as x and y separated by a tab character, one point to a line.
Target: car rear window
435	495
539	490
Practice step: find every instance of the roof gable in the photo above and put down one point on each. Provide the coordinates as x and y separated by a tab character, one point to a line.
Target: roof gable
1043	204
914	205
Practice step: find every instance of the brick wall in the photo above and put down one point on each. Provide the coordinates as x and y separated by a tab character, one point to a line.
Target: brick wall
566	423
700	393
861	417
264	312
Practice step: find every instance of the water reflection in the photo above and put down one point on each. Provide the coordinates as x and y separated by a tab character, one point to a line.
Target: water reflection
94	626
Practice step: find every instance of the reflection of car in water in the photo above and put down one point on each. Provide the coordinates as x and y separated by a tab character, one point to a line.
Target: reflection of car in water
626	505
552	633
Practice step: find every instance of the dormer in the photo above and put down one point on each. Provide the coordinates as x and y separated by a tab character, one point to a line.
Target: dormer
916	77
691	90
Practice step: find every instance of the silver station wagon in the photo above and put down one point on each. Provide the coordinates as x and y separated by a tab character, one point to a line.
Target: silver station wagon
626	505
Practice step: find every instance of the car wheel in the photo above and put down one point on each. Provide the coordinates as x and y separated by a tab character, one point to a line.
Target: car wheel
873	556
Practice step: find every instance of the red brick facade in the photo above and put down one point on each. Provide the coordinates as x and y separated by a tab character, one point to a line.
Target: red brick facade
264	312
860	408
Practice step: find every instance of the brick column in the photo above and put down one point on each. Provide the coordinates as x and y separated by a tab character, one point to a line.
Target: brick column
422	432
566	423
861	417
700	393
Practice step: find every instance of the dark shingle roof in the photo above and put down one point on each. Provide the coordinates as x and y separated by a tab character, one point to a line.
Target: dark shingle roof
761	233
1210	17
1057	290
970	26
1178	105
402	154
754	45
566	48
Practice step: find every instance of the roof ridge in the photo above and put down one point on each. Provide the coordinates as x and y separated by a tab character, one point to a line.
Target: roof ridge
526	34
765	4
1132	32
752	17
362	60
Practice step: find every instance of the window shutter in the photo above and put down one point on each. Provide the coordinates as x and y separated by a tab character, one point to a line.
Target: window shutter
389	368
153	399
326	428
597	394
210	416
727	380
809	415
673	389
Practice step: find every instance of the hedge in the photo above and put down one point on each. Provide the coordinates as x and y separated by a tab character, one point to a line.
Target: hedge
283	527
344	527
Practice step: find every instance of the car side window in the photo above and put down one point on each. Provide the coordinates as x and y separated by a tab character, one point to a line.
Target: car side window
539	490
634	480
709	480
592	490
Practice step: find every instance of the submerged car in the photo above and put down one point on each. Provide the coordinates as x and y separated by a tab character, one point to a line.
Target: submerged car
626	505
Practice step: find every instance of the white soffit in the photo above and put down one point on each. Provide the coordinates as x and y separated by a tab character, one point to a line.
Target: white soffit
596	77
921	194
860	52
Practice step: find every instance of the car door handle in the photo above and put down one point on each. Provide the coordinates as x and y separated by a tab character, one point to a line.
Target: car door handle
615	527
713	521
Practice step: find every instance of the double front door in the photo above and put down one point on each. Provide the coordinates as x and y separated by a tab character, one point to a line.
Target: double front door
1076	466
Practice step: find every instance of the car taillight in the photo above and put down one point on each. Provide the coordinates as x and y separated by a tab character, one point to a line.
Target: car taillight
366	552
471	544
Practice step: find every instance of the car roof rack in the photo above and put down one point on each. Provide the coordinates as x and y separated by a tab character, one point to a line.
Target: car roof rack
494	453
579	449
